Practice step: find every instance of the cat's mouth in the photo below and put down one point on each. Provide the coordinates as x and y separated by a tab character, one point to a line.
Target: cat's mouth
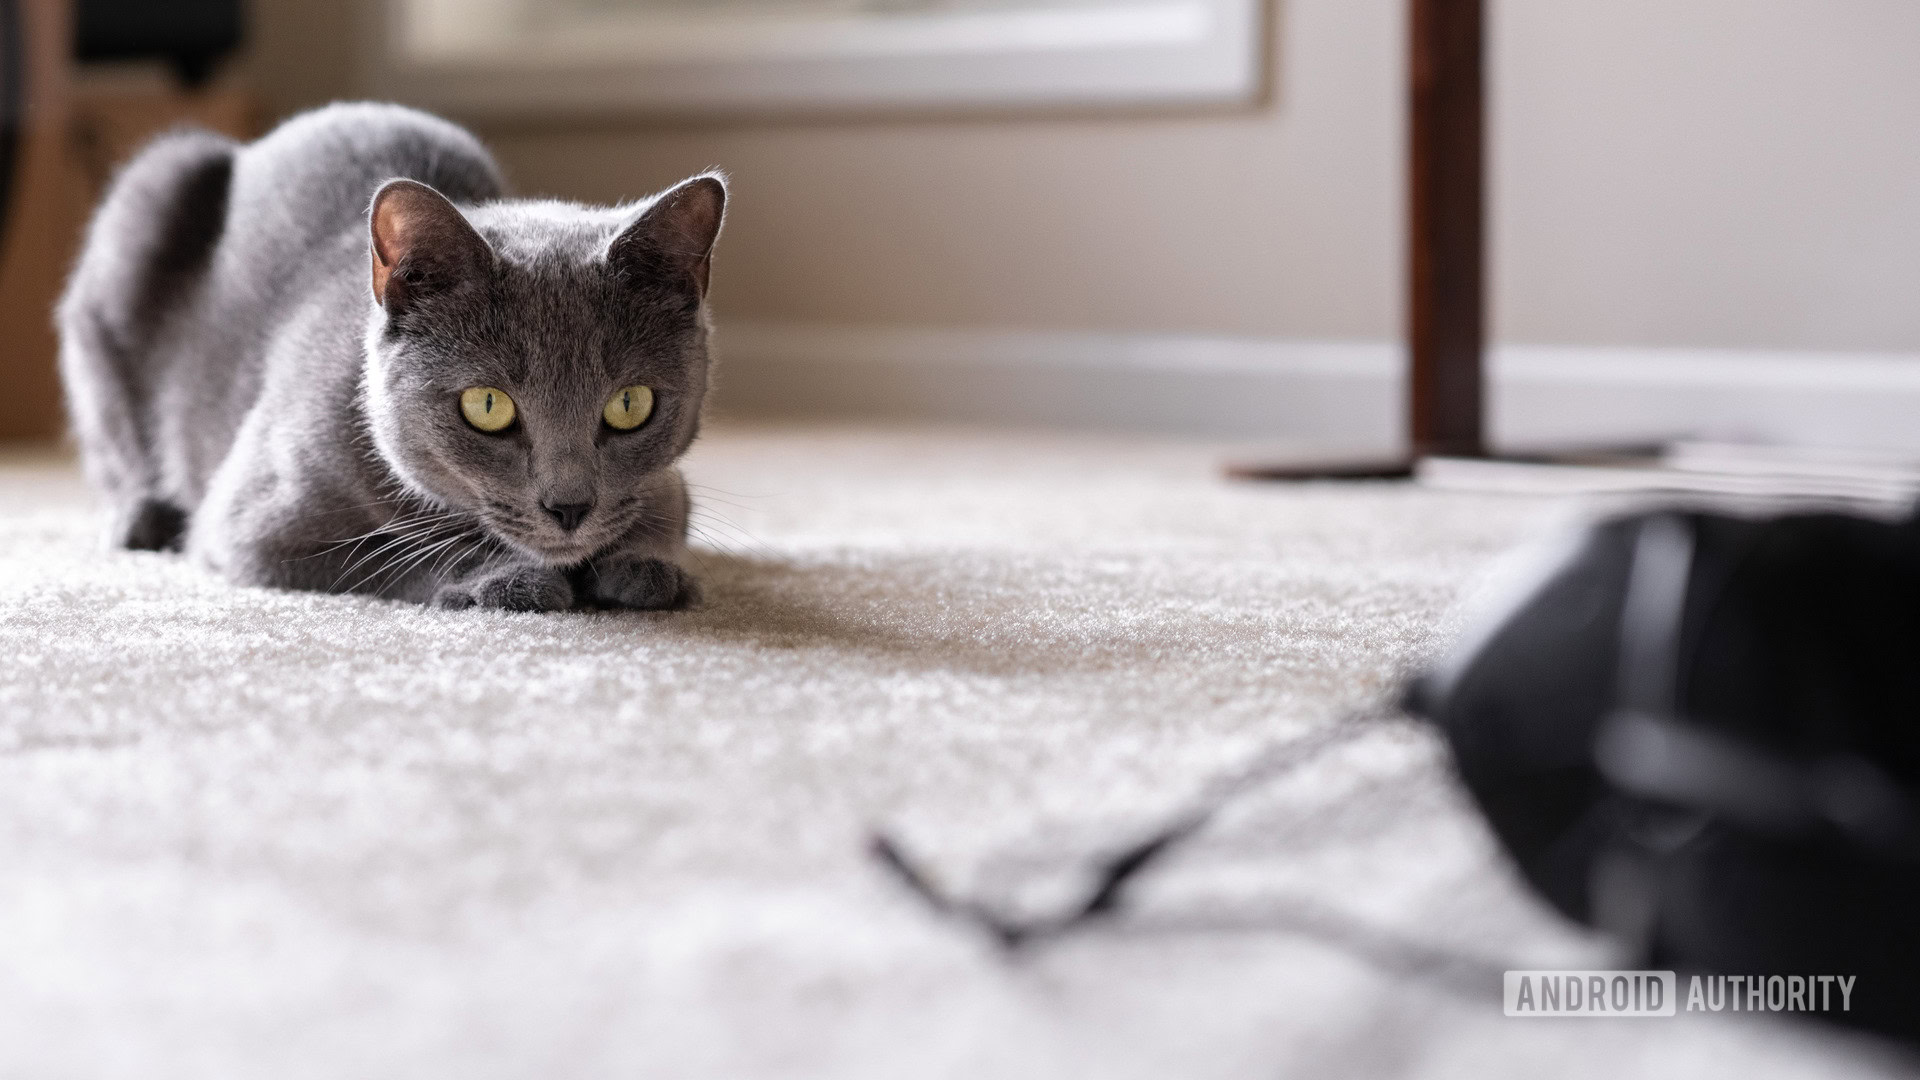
564	549
571	552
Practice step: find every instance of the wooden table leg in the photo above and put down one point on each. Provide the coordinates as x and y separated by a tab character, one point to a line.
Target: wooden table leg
1446	224
1446	264
1446	260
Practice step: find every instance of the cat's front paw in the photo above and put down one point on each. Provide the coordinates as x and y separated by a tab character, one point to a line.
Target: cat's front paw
511	588
645	584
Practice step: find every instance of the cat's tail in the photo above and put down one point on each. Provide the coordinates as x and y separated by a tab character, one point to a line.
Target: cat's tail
151	240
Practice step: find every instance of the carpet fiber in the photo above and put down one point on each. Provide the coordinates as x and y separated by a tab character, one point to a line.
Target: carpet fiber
248	833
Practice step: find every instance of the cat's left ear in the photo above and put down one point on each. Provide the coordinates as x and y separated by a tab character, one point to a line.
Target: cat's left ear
673	238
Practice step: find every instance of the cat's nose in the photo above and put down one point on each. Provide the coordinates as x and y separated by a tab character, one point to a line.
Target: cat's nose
569	515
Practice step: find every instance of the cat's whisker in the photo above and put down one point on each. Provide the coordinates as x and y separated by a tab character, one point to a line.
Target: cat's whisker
722	491
709	517
396	560
481	545
397	571
726	498
387	528
645	522
403	498
722	544
740	534
361	538
358	542
406	541
705	506
332	547
700	560
450	559
705	496
709	501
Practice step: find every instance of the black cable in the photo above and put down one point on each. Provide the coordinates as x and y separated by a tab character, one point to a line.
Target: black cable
1118	870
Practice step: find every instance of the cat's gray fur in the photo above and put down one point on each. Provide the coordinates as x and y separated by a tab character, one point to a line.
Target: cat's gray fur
238	391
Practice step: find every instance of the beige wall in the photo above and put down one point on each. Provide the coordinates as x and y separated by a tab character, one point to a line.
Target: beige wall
1668	172
1710	172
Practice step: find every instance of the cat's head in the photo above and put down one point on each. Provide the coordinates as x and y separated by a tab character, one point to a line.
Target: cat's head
537	364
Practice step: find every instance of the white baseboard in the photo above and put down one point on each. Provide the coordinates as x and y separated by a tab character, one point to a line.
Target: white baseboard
1347	395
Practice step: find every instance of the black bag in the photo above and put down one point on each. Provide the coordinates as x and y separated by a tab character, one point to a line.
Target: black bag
1702	733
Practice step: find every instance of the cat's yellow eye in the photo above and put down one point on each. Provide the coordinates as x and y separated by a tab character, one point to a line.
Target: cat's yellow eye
628	408
486	408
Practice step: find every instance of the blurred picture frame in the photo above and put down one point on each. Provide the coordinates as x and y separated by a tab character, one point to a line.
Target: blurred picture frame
540	57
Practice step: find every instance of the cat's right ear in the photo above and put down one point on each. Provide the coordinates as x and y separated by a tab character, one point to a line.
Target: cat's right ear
422	244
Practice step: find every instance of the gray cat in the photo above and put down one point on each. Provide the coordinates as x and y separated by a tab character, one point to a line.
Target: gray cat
338	359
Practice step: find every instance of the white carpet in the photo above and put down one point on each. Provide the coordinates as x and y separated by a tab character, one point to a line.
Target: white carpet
258	834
